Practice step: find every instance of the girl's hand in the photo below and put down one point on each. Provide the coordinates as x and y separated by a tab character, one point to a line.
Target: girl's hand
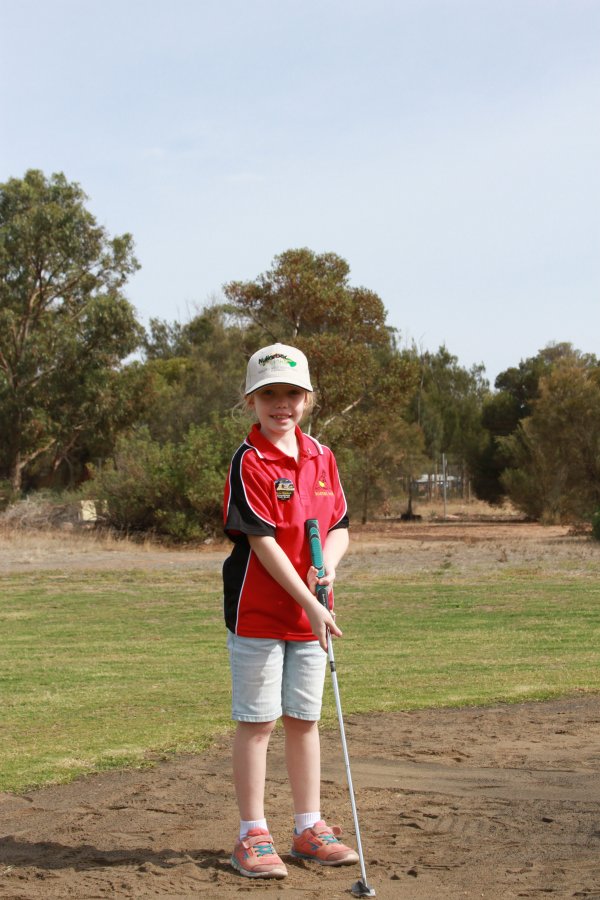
321	620
313	580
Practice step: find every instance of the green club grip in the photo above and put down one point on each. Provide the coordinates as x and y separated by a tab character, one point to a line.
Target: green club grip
316	555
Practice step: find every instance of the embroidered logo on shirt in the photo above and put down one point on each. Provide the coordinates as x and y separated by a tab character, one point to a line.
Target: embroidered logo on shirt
322	489
284	488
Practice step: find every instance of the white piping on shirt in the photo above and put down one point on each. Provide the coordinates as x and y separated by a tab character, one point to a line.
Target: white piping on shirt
315	441
258	515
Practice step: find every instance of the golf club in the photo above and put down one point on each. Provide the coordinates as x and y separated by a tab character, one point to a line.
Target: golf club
359	888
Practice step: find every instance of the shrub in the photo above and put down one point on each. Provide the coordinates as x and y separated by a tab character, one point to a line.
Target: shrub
596	525
42	510
172	489
7	494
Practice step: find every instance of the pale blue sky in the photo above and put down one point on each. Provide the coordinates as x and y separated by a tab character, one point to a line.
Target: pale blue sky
448	149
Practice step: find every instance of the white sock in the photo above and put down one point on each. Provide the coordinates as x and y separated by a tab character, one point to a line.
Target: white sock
245	827
306	820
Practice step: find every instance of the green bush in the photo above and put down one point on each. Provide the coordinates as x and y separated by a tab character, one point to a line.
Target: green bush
596	525
7	494
171	489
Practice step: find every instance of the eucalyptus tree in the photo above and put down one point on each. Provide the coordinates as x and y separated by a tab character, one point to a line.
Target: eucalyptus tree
517	391
363	383
65	325
554	473
306	299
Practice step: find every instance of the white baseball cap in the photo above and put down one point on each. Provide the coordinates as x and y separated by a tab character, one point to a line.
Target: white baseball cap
277	364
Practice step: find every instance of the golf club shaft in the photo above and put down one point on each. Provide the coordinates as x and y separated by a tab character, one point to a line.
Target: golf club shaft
316	553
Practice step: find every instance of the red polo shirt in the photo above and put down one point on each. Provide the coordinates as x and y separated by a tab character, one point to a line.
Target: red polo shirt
269	493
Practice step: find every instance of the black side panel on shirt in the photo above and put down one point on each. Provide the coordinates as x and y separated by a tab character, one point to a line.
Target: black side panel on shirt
241	518
234	572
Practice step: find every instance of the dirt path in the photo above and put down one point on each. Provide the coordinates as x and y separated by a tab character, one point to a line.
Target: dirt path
416	547
494	803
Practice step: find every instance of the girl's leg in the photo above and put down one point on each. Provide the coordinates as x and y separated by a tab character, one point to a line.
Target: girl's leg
250	746
256	668
313	839
254	854
303	759
302	691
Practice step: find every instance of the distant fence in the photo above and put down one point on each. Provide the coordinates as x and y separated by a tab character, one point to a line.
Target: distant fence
431	486
451	481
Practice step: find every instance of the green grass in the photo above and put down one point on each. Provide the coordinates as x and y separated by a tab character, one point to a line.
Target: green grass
98	671
435	644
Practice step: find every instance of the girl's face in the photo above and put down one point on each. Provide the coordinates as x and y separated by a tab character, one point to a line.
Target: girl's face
279	408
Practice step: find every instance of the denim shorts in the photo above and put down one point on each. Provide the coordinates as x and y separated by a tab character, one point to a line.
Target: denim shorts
271	678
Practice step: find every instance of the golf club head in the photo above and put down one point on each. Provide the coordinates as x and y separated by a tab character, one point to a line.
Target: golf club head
360	889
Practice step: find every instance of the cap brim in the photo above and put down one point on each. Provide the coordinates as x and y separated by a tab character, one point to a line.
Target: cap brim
306	386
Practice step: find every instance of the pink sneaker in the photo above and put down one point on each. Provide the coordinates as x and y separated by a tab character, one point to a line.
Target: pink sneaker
320	843
255	856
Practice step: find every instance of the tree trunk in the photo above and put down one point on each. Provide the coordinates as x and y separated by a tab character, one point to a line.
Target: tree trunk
16	473
20	460
365	503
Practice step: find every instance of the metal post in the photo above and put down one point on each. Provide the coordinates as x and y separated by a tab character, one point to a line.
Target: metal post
444	481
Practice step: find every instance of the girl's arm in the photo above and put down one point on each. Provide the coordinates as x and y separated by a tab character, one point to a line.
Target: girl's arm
336	544
279	567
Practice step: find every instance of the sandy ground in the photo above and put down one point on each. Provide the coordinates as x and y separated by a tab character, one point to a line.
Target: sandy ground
493	803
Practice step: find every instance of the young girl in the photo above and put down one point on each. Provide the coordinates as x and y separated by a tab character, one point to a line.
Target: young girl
277	630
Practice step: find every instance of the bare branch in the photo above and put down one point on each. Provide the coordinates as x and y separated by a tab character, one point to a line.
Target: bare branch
337	415
254	318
